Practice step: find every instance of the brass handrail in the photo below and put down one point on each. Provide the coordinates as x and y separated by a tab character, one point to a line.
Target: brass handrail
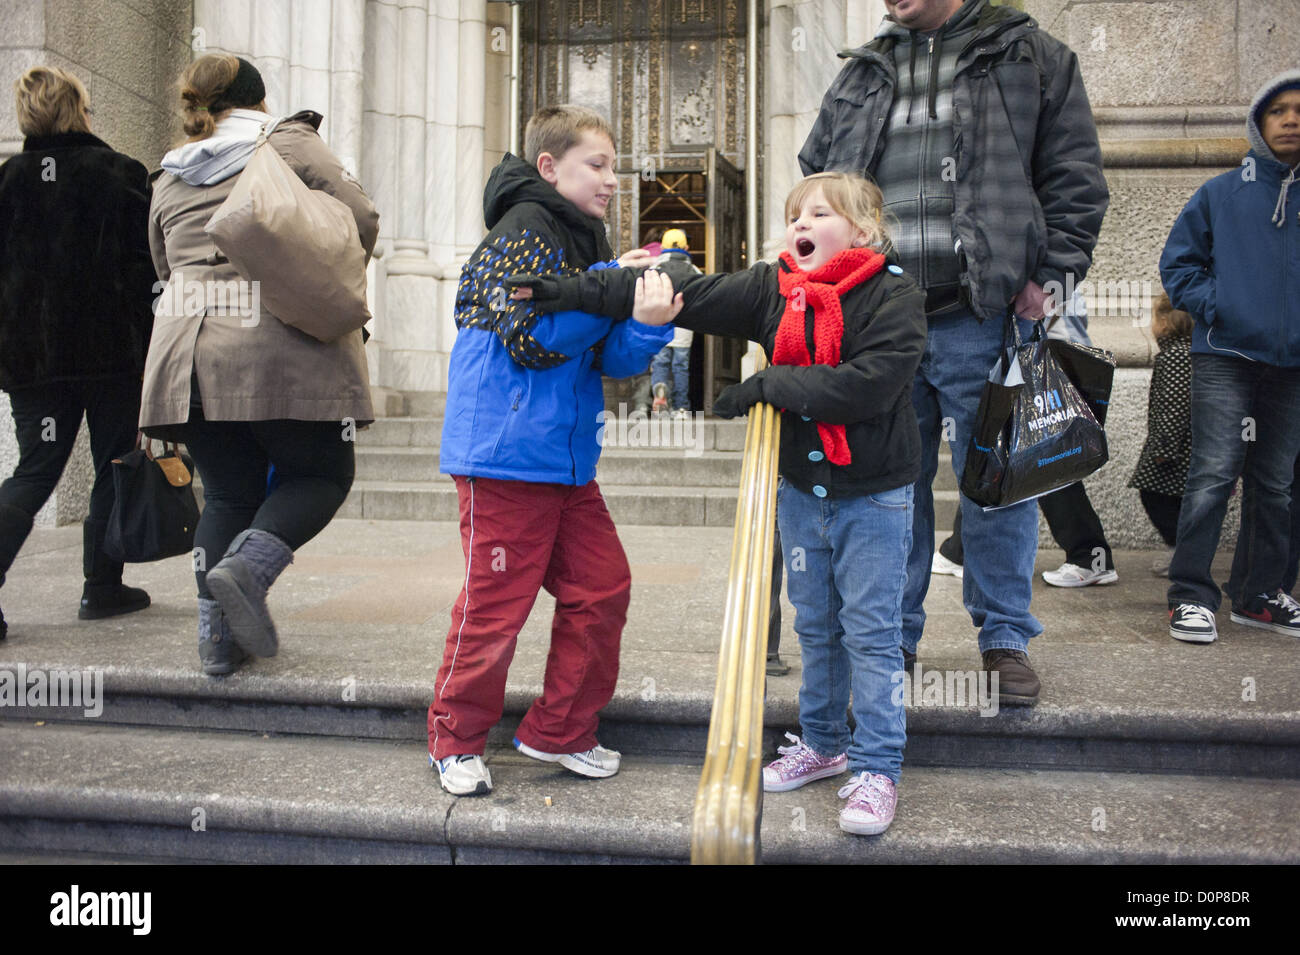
728	802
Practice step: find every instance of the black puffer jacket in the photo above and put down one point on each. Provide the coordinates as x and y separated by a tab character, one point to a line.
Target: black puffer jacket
76	278
1030	194
869	392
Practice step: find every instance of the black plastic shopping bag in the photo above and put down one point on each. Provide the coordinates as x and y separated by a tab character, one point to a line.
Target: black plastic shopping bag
155	513
1035	431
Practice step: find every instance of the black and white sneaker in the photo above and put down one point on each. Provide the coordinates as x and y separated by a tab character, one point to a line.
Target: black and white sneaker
1192	623
1278	612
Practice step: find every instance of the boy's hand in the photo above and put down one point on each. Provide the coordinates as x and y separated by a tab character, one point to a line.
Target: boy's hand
654	302
634	258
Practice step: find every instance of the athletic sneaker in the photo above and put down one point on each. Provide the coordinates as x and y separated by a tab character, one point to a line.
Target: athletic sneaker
1279	613
870	809
464	775
1192	623
681	414
798	765
942	565
596	763
1072	575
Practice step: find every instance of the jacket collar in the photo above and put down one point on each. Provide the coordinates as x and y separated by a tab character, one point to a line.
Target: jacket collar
62	141
1001	23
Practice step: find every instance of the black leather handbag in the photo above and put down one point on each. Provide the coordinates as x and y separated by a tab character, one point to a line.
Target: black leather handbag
156	512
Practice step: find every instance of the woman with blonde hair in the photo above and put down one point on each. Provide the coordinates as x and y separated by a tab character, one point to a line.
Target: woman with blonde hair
76	284
242	389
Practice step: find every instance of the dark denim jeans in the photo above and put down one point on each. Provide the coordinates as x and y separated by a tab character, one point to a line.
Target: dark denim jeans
1000	546
1245	421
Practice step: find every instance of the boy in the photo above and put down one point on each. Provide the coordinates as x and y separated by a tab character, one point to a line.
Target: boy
524	402
1231	261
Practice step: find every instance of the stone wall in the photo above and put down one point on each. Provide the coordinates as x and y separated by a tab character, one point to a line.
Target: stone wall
128	53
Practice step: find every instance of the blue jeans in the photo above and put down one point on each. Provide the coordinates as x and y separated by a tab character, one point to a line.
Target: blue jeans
845	563
1245	421
674	362
1000	546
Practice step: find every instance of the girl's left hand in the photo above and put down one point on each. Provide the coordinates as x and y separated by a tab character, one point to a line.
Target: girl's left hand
654	302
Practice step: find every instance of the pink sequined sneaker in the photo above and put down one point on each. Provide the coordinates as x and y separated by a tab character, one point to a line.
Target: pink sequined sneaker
870	809
800	764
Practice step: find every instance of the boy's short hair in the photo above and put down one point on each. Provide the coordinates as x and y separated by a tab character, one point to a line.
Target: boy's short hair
557	129
855	198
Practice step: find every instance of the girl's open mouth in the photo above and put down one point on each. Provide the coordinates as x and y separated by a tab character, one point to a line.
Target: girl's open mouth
804	247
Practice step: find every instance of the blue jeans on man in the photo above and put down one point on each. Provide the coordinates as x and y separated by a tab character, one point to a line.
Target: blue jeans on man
844	561
674	362
1001	545
1245	421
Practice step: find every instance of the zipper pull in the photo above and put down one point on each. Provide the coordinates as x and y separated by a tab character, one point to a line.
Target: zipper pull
931	50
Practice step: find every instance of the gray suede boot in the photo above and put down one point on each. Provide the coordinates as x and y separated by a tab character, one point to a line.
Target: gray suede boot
240	582
218	651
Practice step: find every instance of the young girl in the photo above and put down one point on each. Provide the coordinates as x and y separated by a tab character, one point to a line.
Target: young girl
844	331
1161	471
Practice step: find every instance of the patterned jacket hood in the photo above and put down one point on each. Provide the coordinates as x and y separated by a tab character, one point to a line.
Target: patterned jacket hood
514	181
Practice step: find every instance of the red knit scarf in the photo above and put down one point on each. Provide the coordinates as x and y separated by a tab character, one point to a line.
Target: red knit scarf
821	289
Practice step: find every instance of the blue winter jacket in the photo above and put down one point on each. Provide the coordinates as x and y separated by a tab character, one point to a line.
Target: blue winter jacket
524	394
1235	268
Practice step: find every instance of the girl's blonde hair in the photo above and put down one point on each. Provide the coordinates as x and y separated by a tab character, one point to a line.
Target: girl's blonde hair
201	85
857	199
50	101
1165	319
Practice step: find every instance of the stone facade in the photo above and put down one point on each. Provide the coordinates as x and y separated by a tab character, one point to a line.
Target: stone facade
416	99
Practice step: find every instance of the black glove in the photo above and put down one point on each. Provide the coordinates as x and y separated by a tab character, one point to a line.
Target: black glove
551	293
736	400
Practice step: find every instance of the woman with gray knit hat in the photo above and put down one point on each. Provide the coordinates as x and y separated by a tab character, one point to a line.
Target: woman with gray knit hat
242	389
1233	262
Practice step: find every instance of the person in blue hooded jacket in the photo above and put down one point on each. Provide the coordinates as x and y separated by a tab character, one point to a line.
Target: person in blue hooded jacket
524	407
1233	262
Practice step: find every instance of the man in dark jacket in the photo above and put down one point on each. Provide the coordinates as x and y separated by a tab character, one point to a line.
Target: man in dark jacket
976	125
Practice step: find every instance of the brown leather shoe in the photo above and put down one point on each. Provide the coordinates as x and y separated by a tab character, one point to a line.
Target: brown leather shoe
1017	682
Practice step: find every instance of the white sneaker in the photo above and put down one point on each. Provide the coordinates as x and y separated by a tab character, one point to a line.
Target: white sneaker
1193	623
1072	575
942	565
596	763
464	775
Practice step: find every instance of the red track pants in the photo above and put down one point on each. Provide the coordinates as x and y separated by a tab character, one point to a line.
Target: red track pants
519	537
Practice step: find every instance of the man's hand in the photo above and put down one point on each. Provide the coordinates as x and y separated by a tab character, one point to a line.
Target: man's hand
654	302
634	258
736	400
1032	302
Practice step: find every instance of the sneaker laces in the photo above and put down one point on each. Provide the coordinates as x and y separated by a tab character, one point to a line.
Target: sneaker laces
790	750
1196	610
874	794
1284	599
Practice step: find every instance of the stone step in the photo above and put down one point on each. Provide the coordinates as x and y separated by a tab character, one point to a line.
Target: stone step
435	500
697	434
237	797
653	468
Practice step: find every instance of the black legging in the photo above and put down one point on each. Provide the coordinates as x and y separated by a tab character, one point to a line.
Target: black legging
314	467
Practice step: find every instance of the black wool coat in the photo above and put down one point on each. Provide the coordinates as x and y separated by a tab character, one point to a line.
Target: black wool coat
76	277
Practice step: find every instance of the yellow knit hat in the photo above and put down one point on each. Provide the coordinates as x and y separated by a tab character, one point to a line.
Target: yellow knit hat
674	239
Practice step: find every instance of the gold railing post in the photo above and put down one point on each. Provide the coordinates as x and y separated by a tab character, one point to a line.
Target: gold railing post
725	827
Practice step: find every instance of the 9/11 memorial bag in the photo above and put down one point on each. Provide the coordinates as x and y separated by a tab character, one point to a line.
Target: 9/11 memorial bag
1035	430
